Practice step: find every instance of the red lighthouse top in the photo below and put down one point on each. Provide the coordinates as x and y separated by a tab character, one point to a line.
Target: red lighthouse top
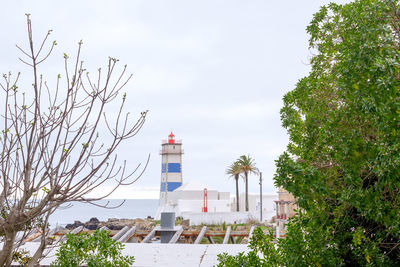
171	138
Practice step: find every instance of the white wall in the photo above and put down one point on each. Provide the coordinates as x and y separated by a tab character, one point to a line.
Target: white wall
224	195
197	195
192	201
171	148
254	202
197	205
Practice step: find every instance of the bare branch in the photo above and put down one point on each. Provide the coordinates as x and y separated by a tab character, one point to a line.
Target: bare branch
51	153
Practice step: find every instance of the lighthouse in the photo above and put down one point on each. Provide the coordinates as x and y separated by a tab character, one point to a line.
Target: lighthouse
171	167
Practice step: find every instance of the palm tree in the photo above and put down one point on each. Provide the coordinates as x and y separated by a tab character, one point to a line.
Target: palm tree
234	171
247	165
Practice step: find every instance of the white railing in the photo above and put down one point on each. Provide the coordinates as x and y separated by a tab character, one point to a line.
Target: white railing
176	141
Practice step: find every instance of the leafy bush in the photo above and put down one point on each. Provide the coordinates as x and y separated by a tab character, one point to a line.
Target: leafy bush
96	250
262	252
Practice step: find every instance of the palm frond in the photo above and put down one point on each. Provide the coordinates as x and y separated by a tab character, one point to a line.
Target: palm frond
233	169
247	164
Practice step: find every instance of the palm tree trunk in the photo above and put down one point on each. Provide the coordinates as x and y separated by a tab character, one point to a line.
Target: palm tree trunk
247	191
237	191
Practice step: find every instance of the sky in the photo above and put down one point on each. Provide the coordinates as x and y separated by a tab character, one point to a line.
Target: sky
212	72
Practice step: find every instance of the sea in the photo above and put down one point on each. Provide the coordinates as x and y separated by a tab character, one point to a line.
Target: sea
130	209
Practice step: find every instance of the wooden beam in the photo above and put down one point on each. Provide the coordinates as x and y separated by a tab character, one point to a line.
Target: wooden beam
127	235
150	235
196	236
176	236
74	231
201	234
120	233
104	228
49	234
243	233
227	234
232	240
20	236
210	239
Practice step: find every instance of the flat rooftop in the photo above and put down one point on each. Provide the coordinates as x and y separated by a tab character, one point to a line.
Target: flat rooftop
168	255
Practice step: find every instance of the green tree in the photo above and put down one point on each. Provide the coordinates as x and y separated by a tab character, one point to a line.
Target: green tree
342	162
246	166
234	171
94	250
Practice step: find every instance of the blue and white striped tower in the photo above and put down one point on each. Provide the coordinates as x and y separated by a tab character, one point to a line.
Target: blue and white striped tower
171	167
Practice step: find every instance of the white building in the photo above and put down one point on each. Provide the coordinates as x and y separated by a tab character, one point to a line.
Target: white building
198	202
194	197
268	204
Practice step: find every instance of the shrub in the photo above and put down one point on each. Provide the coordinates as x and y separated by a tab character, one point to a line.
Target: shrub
96	250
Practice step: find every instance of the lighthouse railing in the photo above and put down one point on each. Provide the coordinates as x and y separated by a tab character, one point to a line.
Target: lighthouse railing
179	142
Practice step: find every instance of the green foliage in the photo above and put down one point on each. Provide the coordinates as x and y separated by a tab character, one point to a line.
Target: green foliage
246	165
178	220
224	226
262	253
343	119
233	169
22	257
342	162
97	249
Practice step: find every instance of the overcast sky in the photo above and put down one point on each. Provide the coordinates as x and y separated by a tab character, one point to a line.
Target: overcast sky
214	72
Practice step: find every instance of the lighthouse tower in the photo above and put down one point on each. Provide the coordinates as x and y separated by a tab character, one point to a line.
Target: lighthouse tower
171	167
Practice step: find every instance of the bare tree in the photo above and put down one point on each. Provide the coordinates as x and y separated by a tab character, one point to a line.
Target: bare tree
50	148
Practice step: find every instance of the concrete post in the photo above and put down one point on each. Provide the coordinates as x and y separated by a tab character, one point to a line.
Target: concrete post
167	223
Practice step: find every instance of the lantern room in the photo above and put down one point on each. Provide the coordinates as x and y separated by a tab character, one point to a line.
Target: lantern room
171	138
